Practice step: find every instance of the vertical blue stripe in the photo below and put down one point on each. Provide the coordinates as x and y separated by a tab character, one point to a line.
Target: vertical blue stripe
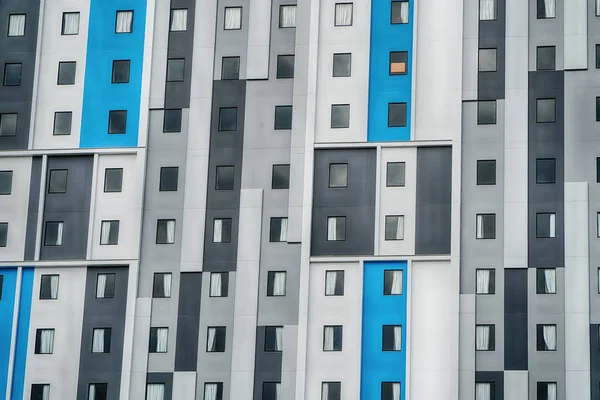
100	95
383	87
7	306
18	380
379	366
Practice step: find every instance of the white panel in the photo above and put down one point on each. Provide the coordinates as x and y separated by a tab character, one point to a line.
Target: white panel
516	385
576	16
160	47
184	385
141	335
470	49
13	207
466	382
288	364
259	38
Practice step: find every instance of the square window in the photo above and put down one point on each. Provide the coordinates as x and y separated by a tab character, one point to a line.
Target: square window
49	287
159	338
113	180
16	25
120	71
285	66
175	69
70	23
394	227
287	16
336	229
338	175
485	390
545	225
222	230
12	74
179	20
399	12
66	73
273	339
545	170
161	286
219	284
546	391
117	121
391	391
3	234
101	340
57	181
6	182
109	233
280	178
398	62
395	174
545	280
169	177
342	64
152	389
225	178
392	282
396	115
213	390
546	9
334	283
331	391
53	234
546	337
165	231
486	226
278	230
8	124
391	338
486	172
546	58
233	18
44	341
343	14
332	337
487	60
215	341
276	283
124	21
340	115
486	112
485	338
545	110
40	391
227	118
105	286
271	390
172	121
487	10
62	123
485	281
283	117
230	68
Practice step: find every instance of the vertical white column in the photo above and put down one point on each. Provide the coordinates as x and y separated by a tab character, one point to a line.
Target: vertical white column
466	359
13	335
40	220
259	40
576	50
470	49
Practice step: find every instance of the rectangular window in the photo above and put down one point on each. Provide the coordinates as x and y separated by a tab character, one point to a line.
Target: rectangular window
225	177
546	337
179	20
390	390
97	391
485	338
394	227
113	180
487	10
117	121
3	234
155	391
287	16
340	116
342	64
49	287
109	234
486	172
395	174
57	181
6	182
545	110
172	121
66	73
545	280
334	283
546	58
124	21
285	66
159	338
545	225
169	177
12	74
343	14
227	118
399	12
545	170
213	391
486	226
120	71
70	23
485	281
165	231
392	282
53	234
62	123
271	391
391	338
273	338
105	286
332	338
283	117
487	60
546	9
336	228
219	284
233	18
175	69
16	25
484	390
338	175
280	177
230	68
161	287
331	391
398	62
101	340
278	230
8	124
396	115
44	341
276	283
40	391
222	230
547	391
486	112
215	341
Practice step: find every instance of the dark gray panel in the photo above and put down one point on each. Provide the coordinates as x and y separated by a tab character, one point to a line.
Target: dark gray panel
434	195
103	313
162	377
267	365
546	140
22	49
595	361
72	207
497	377
32	208
515	319
188	321
490	85
356	202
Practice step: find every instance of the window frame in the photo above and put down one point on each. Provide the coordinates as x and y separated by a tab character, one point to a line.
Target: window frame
400	2
5	75
341	338
388	219
220	126
336	186
272	224
337	272
280	74
224	221
46	226
132	21
235	58
121	62
336	217
155	283
224	168
4	231
241	21
541	346
111	224
62	113
107	342
166	222
537	168
341	108
480	119
224	288
218	329
175	63
267	330
50	174
539	12
62	28
387	174
537	58
486	50
384	329
11	115
60	81
537	111
165	184
492	337
48	278
495	12
402	108
117	113
110	283
537	221
400	55
481	165
492	285
341	55
178	112
9	22
389	274
483	215
106	173
278	110
271	283
9	178
171	15
281	6
154	332
280	187
540	278
335	14
38	341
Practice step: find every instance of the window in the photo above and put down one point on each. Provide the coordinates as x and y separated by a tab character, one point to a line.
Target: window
49	287
546	337
486	281
222	230
546	9
225	178
97	391
12	74
338	175
396	115
334	283
342	64
390	390
70	23
109	234
120	71
8	124
230	68
485	337
6	182
546	58
273	338
16	25
44	341
215	341
124	22
219	284
398	62
487	60
336	229
57	182
179	20
161	287
545	110
227	118
332	338
340	115
545	280
105	286
283	117
343	14
40	391
271	390
175	69
165	231
391	338
3	233
117	121
233	18
278	230
213	391
287	16
66	73
276	283
331	391
395	172
545	225
101	340
159	338
280	177
155	391
285	66
62	123
392	282
484	390
172	121
545	170
487	10
547	391
394	227
486	226
113	180
169	177
486	112
486	172
53	234
399	12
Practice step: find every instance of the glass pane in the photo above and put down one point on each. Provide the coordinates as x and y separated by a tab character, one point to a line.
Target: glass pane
487	60
281	177
228	119
66	73
120	72
340	116
175	70
113	179
486	112
283	117
57	181
225	178
546	110
546	58
117	121
6	182
397	114
169	179
12	74
486	172
230	68
172	121
62	122
338	175
342	64
8	124
285	66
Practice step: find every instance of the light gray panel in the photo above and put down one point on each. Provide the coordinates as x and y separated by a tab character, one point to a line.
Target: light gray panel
575	52
229	43
546	32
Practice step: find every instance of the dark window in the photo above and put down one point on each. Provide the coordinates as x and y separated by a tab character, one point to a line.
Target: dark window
101	340
40	391
486	226
399	12
331	391
169	177
486	112
342	64
66	73
158	340
6	182
546	337
486	172
545	110
57	181
70	23
598	56
340	115
161	287
544	389
338	175
8	124
12	74
208	387
285	66
227	118
270	391
100	390
216	339
334	283
175	69
398	62
392	282
3	233
545	225
44	341
276	283
394	227
545	170
278	230
120	71
332	338
172	121
53	234
49	287
113	180
230	68
485	281
62	122
105	286
109	234
225	177
117	121
546	58
546	9
336	229
396	115
219	284
395	172
283	117
487	60
273	340
222	230
165	231
545	280
389	388
485	337
280	178
391	338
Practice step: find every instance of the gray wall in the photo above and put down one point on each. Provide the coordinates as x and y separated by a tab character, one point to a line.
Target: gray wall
177	94
32	208
490	85
267	367
162	377
515	319
188	321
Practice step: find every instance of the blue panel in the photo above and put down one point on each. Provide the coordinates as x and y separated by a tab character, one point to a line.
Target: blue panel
18	380
100	95
7	305
383	87
376	365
